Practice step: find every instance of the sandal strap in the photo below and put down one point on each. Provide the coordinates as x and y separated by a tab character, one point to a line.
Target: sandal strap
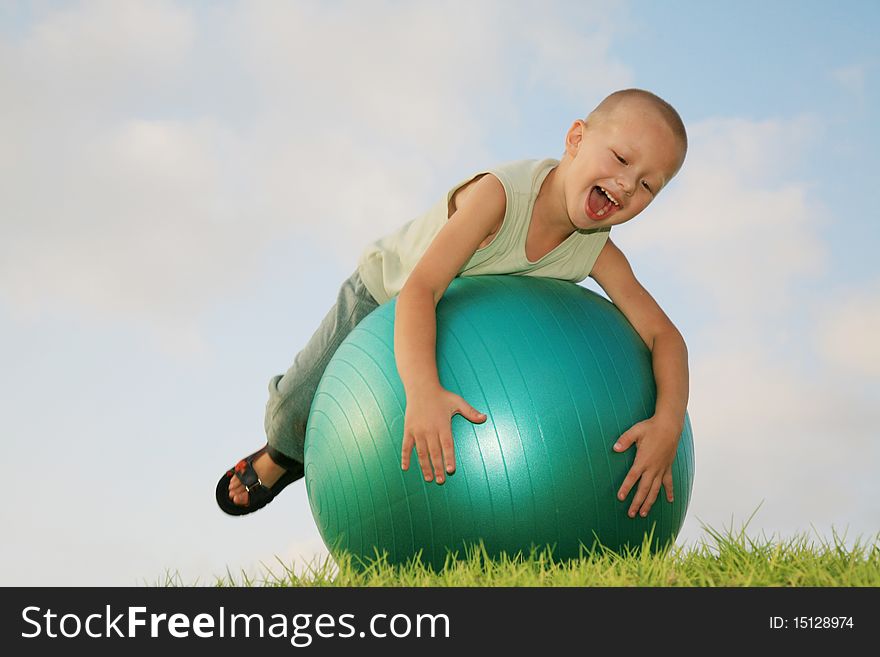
246	474
259	494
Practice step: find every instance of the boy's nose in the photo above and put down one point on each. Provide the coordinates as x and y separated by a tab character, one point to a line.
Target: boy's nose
626	185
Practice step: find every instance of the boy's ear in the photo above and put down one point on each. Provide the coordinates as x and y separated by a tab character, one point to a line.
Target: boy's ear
573	137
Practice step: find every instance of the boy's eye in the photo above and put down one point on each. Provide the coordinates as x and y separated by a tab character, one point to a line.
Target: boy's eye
646	185
620	159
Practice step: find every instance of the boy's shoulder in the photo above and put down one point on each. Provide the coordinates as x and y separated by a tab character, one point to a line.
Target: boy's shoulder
525	169
510	177
483	185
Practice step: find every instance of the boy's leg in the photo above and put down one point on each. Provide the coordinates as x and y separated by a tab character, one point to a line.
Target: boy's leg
291	394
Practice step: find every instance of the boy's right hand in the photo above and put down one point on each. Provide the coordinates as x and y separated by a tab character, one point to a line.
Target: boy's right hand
428	426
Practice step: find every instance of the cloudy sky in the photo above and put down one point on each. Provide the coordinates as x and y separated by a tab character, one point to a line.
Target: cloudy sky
184	185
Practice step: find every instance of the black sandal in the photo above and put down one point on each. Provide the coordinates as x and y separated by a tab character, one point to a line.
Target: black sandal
258	494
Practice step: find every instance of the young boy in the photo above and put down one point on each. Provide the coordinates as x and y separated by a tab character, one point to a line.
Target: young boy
538	218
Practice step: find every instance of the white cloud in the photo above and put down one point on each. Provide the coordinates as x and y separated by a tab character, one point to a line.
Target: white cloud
571	62
733	227
136	221
772	422
125	195
776	430
848	328
152	152
94	56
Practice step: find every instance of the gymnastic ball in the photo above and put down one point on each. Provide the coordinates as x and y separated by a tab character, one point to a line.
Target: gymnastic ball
561	375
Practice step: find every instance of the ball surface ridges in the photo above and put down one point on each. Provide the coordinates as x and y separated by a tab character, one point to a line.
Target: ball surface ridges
561	375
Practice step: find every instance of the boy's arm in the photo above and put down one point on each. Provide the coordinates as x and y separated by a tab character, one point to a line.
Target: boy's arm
657	437
429	407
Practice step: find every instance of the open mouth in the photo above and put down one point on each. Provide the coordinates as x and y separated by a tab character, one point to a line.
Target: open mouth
600	204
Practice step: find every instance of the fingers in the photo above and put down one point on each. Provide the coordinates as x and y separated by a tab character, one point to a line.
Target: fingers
469	412
646	493
667	484
430	452
411	440
651	468
408	442
429	430
645	496
436	458
424	459
626	439
448	447
629	481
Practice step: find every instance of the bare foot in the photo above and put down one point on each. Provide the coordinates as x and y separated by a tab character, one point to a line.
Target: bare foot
267	470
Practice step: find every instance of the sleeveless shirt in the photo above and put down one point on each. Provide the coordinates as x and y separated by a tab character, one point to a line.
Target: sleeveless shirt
386	263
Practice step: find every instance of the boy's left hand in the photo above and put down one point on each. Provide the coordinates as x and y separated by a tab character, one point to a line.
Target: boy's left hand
656	442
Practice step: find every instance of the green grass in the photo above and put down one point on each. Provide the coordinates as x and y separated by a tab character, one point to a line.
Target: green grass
725	558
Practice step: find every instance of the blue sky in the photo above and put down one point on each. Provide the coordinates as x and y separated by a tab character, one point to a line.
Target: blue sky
183	186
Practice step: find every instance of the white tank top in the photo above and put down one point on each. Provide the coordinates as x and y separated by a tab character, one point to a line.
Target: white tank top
386	263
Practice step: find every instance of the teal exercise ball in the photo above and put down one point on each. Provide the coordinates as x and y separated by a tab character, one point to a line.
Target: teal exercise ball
561	375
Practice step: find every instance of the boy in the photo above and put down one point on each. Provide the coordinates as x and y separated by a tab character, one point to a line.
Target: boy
538	218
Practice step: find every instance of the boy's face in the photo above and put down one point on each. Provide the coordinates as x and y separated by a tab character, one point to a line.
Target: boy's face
631	154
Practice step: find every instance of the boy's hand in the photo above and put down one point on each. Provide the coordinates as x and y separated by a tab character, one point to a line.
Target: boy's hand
656	443
428	426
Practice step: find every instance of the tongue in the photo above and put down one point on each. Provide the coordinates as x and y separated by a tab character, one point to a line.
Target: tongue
597	200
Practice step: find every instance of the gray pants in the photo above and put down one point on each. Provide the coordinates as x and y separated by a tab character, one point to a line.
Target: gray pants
291	394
